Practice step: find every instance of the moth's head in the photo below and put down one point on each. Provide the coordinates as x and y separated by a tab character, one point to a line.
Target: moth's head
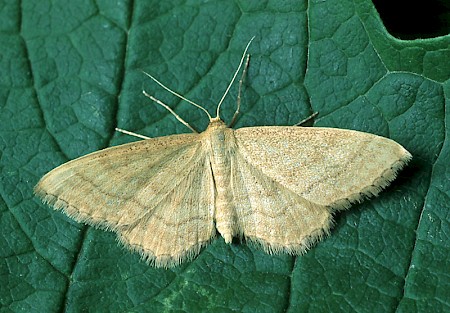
216	123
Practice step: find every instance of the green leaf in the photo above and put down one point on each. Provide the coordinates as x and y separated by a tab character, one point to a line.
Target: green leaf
71	72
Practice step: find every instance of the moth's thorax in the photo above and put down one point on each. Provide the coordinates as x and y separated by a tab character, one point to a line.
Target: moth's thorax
220	143
219	140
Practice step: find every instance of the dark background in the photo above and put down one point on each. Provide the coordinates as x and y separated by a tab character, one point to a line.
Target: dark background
415	19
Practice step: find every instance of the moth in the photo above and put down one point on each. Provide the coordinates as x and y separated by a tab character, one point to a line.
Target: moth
274	186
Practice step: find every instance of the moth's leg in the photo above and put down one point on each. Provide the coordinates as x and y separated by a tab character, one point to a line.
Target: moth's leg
179	96
309	121
171	111
241	82
127	132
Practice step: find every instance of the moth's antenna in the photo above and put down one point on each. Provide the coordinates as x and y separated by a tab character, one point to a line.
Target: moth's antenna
176	94
234	77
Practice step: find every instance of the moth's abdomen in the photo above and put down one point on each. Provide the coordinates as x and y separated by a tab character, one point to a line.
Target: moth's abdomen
222	145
